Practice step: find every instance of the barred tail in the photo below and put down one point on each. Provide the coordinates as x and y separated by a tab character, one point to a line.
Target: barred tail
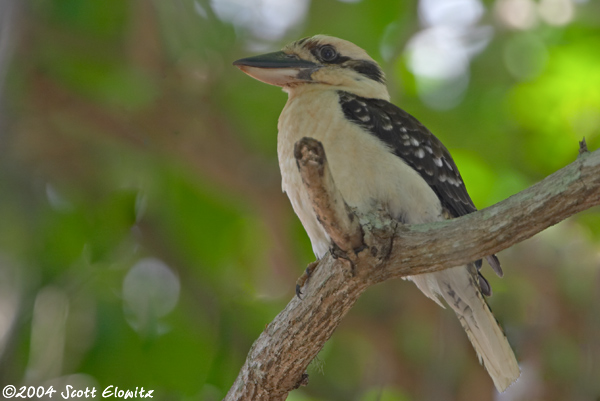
458	288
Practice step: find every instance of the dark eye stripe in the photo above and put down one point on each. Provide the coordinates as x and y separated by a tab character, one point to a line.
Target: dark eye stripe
366	68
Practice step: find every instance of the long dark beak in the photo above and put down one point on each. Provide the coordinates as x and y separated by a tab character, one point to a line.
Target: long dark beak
277	68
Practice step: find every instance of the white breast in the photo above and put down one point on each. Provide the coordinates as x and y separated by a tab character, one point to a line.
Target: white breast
367	174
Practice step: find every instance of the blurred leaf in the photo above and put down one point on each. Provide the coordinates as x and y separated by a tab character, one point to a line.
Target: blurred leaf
105	19
63	236
561	106
201	224
416	338
385	394
525	55
562	358
101	79
479	178
178	360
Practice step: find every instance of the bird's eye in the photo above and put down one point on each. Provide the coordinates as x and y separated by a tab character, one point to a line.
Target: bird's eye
327	53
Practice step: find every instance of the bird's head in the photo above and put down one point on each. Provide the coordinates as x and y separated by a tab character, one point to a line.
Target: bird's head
323	62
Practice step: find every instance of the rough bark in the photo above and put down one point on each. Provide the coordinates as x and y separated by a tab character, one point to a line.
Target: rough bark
332	211
277	362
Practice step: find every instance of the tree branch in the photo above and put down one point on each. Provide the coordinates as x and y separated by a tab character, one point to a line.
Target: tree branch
331	209
277	361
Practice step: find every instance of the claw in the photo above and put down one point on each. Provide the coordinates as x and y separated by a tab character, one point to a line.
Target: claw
495	264
304	278
359	249
486	288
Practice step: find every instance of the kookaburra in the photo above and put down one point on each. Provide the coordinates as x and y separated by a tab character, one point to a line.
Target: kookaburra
379	155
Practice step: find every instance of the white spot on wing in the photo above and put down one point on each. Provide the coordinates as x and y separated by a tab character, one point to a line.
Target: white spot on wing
420	153
414	142
453	181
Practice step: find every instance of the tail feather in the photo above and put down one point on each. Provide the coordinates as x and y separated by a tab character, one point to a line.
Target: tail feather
458	288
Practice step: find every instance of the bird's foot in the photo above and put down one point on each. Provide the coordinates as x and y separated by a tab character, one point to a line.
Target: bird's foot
304	278
350	257
338	253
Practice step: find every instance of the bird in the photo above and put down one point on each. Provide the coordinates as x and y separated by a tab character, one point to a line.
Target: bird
379	156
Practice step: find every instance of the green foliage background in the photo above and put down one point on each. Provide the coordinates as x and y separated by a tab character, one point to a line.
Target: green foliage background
127	139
